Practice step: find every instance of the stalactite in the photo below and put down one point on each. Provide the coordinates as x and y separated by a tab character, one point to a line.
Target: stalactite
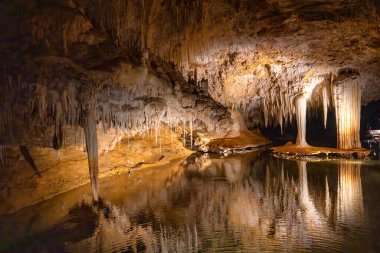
280	120
347	101
326	102
41	94
92	150
301	103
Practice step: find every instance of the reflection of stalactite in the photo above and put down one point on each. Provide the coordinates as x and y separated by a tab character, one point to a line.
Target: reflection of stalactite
113	226
304	191
185	211
327	200
350	197
313	218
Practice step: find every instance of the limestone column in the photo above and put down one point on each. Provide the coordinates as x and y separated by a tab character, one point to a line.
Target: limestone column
301	103
347	101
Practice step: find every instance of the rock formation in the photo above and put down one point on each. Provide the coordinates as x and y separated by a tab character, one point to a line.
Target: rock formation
133	66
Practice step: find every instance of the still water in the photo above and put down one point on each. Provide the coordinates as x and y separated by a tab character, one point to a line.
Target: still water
242	203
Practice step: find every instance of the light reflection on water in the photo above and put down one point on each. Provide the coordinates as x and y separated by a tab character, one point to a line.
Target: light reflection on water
243	203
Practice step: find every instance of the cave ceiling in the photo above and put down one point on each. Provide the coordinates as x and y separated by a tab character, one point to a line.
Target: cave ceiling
251	55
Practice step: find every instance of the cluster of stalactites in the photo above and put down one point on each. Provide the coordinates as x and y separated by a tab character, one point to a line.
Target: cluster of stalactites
62	106
126	109
344	95
347	102
133	25
38	104
139	113
278	108
321	99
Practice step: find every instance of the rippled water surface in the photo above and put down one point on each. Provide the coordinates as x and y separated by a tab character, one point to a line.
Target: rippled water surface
243	203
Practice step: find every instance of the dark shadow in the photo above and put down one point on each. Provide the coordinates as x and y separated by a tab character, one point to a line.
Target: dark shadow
317	134
79	224
25	153
370	120
279	138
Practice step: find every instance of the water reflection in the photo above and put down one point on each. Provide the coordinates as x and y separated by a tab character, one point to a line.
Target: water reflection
250	202
350	210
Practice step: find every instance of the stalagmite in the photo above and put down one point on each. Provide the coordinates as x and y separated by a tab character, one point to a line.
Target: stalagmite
92	150
300	103
347	101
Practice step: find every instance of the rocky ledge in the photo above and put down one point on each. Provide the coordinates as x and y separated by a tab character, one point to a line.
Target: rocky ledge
293	151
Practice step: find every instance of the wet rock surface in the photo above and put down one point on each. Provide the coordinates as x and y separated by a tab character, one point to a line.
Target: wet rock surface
53	172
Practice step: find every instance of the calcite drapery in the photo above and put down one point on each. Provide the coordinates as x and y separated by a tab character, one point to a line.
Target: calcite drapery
347	101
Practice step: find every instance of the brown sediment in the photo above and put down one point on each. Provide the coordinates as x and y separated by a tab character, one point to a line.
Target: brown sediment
316	153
